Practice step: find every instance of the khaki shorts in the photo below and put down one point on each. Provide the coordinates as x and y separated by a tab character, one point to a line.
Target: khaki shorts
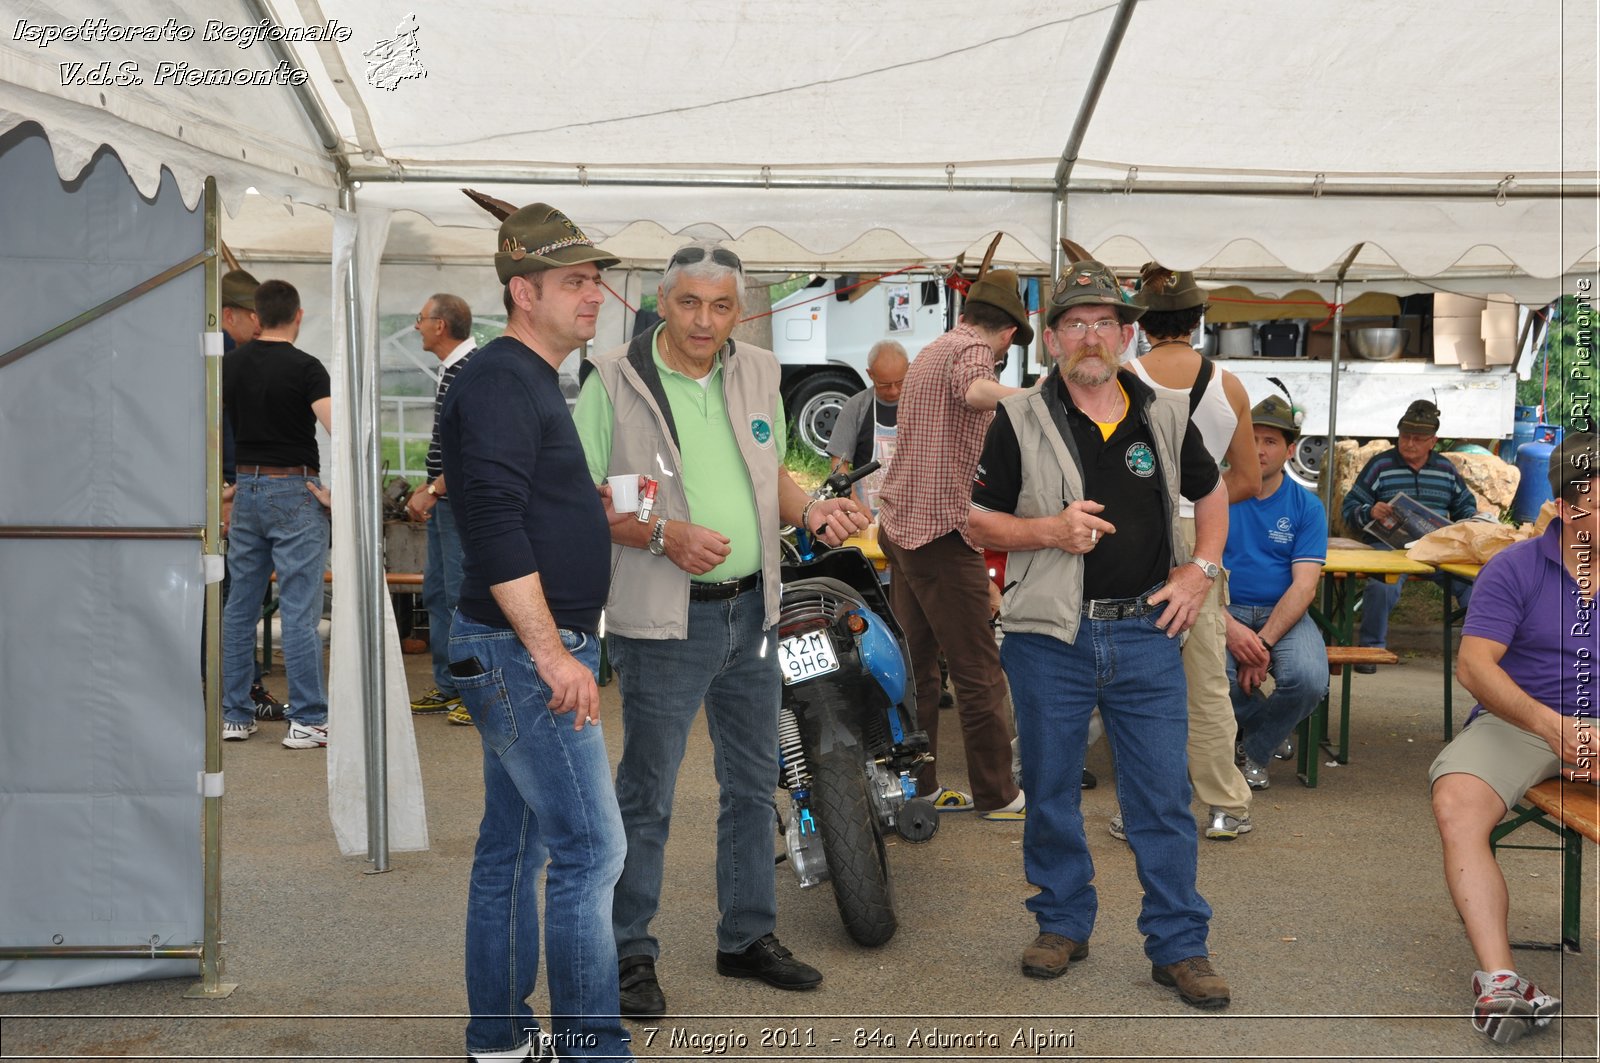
1509	759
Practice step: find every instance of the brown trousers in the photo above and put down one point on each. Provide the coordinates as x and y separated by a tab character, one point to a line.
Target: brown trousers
940	596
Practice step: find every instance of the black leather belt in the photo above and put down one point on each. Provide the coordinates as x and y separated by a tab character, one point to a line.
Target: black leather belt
1117	608
720	592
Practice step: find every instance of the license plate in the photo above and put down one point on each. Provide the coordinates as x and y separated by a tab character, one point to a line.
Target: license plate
807	656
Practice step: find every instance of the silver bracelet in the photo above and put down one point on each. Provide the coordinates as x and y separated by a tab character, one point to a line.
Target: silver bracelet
805	516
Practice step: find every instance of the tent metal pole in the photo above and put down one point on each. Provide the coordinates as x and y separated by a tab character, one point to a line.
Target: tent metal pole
369	535
211	984
1575	186
1330	460
111	952
76	531
95	313
1091	96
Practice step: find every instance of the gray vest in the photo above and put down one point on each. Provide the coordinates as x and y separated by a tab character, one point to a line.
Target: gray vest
1045	587
649	594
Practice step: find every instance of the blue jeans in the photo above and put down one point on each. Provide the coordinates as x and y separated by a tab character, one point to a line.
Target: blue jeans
277	524
1135	674
546	795
731	665
1300	670
441	589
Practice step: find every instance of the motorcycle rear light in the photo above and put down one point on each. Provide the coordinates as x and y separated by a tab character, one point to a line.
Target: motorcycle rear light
856	623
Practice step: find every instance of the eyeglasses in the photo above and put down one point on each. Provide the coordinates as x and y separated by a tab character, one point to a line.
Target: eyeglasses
1077	330
688	256
428	317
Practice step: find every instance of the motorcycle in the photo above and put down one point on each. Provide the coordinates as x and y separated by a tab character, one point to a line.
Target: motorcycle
848	741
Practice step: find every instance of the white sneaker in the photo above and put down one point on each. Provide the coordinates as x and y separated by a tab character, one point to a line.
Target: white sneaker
237	732
945	799
518	1054
301	736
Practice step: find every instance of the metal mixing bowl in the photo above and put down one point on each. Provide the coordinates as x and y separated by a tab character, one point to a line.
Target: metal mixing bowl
1378	344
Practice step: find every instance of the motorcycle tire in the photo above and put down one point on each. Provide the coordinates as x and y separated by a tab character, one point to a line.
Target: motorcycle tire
853	843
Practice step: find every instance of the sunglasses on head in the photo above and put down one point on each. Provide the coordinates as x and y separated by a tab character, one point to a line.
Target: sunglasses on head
688	256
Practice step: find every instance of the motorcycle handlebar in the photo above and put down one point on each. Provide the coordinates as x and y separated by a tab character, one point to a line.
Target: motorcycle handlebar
838	485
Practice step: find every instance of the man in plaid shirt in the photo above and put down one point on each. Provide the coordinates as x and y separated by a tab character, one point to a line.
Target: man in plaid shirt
940	592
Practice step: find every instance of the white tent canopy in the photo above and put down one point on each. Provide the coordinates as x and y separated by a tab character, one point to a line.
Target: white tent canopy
1250	133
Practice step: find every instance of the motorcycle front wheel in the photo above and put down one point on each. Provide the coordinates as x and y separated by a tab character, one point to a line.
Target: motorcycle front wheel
853	843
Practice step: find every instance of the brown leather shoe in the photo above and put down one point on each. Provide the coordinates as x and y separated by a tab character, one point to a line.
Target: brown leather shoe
1196	981
1050	954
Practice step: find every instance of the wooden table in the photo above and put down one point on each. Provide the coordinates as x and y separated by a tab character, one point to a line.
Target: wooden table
1341	596
1452	571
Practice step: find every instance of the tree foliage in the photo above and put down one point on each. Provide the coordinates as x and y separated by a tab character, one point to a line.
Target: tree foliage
1563	377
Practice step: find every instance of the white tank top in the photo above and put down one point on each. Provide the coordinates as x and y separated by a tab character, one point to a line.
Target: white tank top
1214	417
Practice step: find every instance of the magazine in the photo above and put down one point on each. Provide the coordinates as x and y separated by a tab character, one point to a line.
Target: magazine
1410	521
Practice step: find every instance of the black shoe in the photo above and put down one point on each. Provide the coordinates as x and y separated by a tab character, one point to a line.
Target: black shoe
637	989
947	700
1089	781
267	706
1367	669
770	962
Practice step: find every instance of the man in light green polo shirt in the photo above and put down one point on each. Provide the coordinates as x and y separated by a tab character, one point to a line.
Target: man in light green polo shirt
694	596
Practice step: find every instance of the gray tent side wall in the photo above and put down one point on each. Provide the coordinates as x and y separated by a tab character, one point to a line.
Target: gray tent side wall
102	717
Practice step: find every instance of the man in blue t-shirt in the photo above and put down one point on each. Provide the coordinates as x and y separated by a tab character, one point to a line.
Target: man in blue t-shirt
1528	648
1277	543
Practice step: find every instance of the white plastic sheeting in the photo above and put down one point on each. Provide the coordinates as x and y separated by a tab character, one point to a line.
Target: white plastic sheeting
357	251
101	710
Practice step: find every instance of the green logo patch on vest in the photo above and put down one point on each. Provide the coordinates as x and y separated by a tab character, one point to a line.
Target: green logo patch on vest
1141	459
761	430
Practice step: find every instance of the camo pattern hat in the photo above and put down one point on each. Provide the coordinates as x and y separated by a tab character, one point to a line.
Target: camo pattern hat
1088	283
539	237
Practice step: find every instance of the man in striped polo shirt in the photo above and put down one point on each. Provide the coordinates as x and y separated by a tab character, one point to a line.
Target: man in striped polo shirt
1414	469
445	325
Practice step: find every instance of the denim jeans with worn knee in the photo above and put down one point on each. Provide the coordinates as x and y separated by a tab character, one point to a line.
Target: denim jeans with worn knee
1379	600
441	589
1135	674
731	664
1300	672
277	525
547	797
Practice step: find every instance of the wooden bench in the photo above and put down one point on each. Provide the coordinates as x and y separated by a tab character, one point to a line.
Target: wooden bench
1571	811
397	582
1313	729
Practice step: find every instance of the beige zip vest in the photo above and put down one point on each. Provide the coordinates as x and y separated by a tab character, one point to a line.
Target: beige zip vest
650	595
1045	587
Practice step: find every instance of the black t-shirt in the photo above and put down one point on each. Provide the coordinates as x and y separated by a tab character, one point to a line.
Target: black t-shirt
1122	473
520	488
268	387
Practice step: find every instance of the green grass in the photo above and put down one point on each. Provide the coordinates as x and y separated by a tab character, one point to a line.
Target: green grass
806	466
416	455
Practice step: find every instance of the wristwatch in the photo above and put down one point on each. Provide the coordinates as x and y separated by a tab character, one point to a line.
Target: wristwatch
1208	567
658	538
431	491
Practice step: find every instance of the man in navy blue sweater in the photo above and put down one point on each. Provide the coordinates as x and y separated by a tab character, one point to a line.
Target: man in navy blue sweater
1413	468
524	650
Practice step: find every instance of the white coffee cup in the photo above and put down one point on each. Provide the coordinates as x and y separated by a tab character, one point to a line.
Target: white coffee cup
624	492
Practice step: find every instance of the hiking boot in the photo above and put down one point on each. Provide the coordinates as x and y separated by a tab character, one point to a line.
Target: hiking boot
267	706
945	799
637	989
1508	1006
1197	982
460	714
237	732
434	702
1010	813
1255	775
1225	828
306	736
1117	830
1050	954
769	962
